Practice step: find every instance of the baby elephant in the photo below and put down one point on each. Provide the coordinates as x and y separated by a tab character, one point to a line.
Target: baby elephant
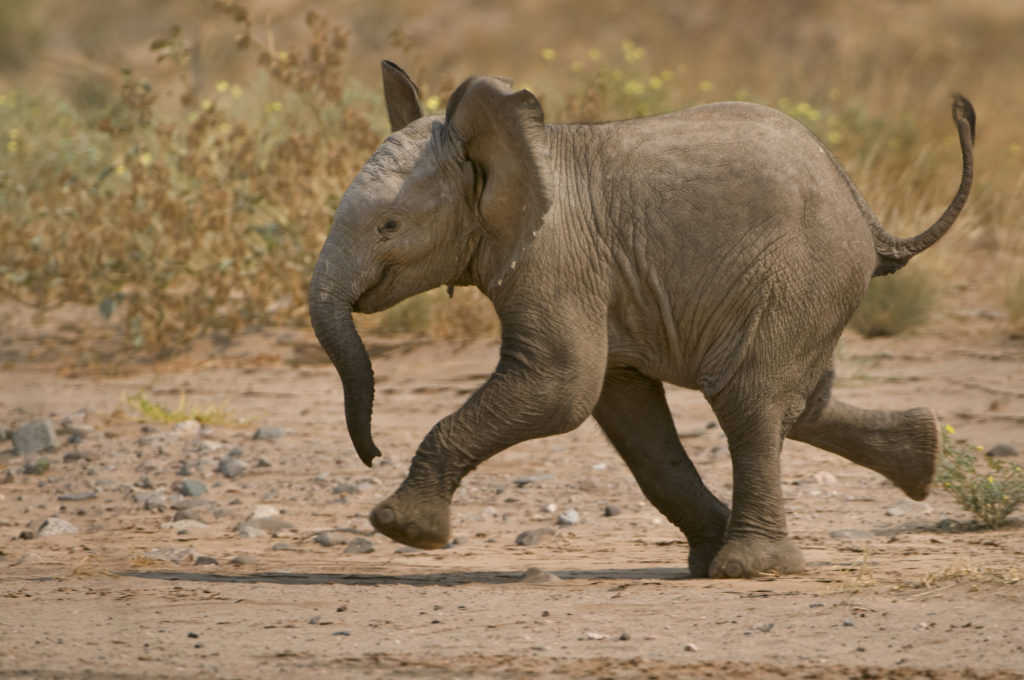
719	248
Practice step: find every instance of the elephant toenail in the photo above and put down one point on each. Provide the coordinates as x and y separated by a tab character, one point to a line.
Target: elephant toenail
733	569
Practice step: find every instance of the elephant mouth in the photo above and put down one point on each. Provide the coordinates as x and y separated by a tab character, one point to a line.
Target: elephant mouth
371	299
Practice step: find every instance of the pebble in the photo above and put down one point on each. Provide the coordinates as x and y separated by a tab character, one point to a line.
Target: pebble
246	531
27	559
8	477
1002	451
329	539
532	479
269	525
192	488
534	536
536	575
231	467
611	511
263	510
569	517
55	526
268	432
34	436
359	546
344	488
550	507
184	525
908	507
187	428
243	559
170	555
192	513
83	496
203	560
851	534
764	627
824	478
283	545
690	647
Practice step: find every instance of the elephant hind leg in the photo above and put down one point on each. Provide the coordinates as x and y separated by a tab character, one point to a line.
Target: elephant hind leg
901	445
634	415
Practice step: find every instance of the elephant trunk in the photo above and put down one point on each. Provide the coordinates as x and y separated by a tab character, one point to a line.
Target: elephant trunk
330	310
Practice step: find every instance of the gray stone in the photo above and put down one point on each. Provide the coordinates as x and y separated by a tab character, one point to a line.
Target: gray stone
203	560
155	501
4	432
83	496
247	531
359	546
908	507
243	560
269	432
851	534
330	539
35	436
192	513
532	479
343	488
569	517
611	510
27	559
176	555
1002	451
534	536
192	488
690	647
55	526
536	575
269	525
185	525
283	545
231	467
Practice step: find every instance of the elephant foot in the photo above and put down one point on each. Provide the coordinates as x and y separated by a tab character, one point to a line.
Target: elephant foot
415	521
749	557
923	443
701	555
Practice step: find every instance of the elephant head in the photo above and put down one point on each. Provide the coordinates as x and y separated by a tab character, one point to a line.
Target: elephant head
443	201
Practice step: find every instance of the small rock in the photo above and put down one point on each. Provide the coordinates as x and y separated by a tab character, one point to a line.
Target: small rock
550	507
243	560
83	496
268	525
329	539
611	511
192	488
235	452
170	555
145	482
7	477
192	513
269	433
359	546
262	462
55	526
537	575
36	465
185	469
155	501
690	647
72	456
851	534
283	545
27	559
824	478
847	622
208	446
569	517
534	536
4	432
263	511
764	627
35	436
231	467
187	428
1002	451
344	488
204	560
246	531
185	525
533	479
625	636
908	507
591	635
599	466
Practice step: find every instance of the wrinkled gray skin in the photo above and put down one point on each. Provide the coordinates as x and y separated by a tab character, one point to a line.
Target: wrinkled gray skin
719	248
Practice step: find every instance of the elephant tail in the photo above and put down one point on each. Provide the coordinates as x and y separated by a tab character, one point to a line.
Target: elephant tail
894	252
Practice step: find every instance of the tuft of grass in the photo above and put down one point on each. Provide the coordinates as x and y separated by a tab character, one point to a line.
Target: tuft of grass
990	495
151	411
895	304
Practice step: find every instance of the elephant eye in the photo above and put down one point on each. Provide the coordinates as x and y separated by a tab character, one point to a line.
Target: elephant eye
388	228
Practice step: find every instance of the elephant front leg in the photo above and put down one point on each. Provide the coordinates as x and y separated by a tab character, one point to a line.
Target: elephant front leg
525	398
634	415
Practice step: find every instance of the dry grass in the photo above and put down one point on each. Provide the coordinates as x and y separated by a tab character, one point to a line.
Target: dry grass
192	193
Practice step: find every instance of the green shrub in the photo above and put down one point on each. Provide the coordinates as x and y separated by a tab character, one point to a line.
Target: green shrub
894	304
991	497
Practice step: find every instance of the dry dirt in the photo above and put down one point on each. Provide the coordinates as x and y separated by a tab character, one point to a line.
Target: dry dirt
893	589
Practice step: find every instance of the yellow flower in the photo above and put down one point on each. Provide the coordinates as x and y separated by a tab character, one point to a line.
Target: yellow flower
634	87
224	127
236	91
282	55
655	83
950	430
206	105
120	169
275	106
146	159
706	86
594	54
991	479
222	86
548	54
1014	150
666	74
433	103
833	94
576	66
13	133
12	146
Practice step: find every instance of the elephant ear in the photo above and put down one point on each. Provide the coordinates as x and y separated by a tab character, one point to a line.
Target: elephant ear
502	134
401	96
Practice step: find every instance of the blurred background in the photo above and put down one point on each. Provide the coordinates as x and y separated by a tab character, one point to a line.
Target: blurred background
169	168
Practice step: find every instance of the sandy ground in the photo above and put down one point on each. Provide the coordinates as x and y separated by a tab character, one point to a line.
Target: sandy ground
894	589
